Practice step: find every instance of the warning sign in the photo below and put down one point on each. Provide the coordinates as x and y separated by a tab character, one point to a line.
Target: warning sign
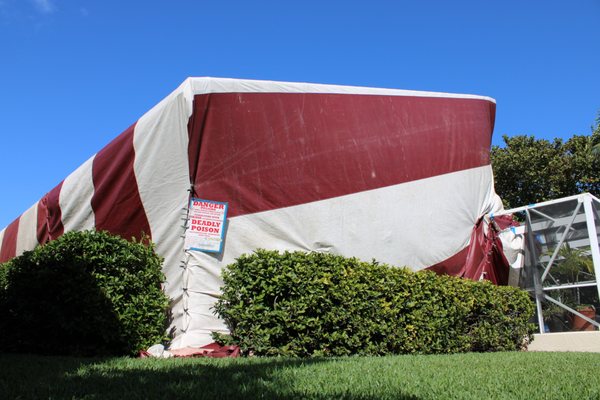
206	223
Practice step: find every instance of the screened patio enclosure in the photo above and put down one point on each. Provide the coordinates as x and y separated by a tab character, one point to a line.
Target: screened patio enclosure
554	254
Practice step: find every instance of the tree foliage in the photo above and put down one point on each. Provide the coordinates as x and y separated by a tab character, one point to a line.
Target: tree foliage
529	170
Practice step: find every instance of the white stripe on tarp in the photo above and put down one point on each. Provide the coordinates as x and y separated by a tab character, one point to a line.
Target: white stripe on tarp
27	233
415	224
75	199
225	85
205	85
161	168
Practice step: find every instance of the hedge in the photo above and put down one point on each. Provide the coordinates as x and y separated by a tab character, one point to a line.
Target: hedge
85	293
317	304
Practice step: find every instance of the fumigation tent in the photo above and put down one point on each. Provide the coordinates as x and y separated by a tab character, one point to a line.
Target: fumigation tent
400	176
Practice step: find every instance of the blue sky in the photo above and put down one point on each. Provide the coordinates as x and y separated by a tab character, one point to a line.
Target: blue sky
74	74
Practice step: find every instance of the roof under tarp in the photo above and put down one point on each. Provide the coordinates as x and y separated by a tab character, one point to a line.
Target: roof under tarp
399	176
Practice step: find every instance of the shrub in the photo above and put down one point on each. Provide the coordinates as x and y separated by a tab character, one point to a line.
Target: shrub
315	304
86	293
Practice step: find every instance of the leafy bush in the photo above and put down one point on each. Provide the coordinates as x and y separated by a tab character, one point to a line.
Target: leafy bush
315	304
86	293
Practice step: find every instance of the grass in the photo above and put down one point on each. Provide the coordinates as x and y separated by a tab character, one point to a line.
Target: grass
461	376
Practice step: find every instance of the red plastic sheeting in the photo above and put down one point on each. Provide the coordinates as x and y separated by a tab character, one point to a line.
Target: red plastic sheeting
268	151
8	247
212	350
483	258
49	216
116	200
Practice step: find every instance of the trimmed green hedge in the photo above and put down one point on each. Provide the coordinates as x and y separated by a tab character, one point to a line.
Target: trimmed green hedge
317	304
85	293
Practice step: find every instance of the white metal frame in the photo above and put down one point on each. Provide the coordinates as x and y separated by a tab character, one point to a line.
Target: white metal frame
566	223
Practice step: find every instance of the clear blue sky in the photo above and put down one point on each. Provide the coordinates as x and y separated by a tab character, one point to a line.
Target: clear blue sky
74	74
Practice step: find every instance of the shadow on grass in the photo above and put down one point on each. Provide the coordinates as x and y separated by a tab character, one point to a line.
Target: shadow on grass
28	377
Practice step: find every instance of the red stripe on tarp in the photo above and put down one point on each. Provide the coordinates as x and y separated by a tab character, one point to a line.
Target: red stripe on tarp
116	201
262	151
49	216
195	130
454	265
483	258
9	241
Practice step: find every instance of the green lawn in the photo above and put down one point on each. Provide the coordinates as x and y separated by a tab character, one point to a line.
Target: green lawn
463	376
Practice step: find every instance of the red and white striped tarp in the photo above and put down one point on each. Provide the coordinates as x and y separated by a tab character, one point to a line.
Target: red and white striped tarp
399	176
